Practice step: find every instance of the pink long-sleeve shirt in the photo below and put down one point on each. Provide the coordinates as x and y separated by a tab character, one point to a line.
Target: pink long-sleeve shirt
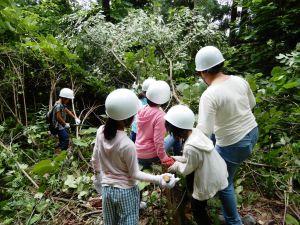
151	132
116	161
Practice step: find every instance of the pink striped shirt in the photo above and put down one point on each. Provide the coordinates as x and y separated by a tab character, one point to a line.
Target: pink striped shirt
151	132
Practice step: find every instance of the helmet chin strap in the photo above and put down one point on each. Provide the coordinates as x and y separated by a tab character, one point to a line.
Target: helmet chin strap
203	79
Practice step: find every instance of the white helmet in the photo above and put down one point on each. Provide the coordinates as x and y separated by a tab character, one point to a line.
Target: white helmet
159	92
208	57
121	104
147	83
181	116
66	93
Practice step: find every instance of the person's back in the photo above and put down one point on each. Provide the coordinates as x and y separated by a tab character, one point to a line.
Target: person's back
231	101
150	138
211	173
58	107
113	154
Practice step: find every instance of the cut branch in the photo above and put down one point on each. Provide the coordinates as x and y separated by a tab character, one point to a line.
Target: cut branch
10	109
171	77
122	63
22	170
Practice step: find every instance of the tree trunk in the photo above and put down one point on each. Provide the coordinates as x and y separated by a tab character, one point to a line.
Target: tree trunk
106	9
233	17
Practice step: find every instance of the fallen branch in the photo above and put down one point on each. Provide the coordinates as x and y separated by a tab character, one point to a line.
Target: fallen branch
286	204
259	164
69	201
83	159
251	171
91	213
29	178
23	171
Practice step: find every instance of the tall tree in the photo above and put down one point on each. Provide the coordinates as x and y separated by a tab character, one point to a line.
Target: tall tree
106	9
233	18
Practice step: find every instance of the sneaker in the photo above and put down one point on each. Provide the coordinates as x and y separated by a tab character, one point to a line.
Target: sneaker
143	205
248	220
222	219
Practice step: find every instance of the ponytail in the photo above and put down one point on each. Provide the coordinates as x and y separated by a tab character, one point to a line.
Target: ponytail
110	129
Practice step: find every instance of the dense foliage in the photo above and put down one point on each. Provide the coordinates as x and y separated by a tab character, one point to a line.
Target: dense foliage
49	44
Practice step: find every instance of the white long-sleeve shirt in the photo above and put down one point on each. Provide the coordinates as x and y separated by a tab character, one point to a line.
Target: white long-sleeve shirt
200	157
117	162
225	110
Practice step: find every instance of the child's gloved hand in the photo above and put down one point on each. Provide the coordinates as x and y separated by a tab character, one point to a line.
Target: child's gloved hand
67	125
167	161
173	168
97	183
77	121
168	180
181	159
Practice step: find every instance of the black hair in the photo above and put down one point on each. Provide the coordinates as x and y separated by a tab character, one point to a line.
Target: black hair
111	127
215	69
176	132
142	95
151	104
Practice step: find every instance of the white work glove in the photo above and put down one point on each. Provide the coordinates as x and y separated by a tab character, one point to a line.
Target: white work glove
174	167
168	180
181	159
77	121
97	183
67	125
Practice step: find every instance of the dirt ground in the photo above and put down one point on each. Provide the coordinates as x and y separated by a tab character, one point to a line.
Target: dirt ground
265	211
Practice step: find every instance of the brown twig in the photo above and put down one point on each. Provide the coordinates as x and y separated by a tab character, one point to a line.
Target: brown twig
171	77
19	166
258	164
69	201
83	159
91	213
10	109
29	178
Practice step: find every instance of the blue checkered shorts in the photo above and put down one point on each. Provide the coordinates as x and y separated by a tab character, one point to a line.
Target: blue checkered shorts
120	206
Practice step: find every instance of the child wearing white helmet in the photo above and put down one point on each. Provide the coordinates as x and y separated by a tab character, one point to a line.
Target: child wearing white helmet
115	162
143	100
204	168
58	114
225	109
151	129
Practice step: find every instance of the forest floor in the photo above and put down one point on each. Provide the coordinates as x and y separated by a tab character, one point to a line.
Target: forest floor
265	211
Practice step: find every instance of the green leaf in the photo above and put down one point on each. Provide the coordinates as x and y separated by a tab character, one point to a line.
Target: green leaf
42	207
143	185
35	218
91	130
8	221
62	156
80	143
154	196
239	189
44	166
290	220
291	85
277	72
70	181
82	193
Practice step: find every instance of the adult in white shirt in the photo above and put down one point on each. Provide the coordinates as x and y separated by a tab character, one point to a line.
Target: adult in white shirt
225	109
